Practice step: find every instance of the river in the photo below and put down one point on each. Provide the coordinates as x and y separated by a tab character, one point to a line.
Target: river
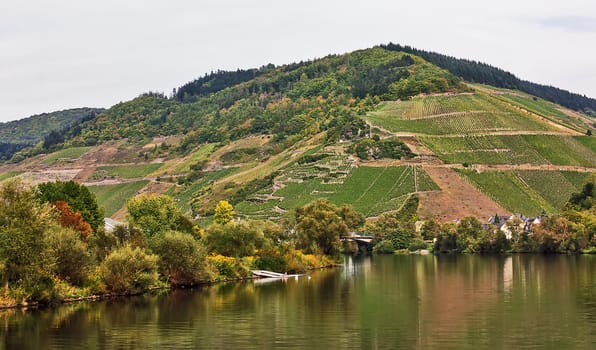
379	302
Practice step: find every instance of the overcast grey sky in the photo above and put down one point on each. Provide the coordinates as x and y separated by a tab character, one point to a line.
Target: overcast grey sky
59	54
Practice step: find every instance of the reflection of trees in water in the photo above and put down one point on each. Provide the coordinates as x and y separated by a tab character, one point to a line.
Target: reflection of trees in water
380	301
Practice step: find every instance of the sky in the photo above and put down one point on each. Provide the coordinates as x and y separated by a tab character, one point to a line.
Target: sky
62	54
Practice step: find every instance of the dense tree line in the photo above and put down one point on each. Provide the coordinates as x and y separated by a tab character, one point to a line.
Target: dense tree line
216	81
289	102
42	133
7	150
573	230
483	73
49	250
32	129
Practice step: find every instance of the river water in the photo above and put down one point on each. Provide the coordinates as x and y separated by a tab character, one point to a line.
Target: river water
379	302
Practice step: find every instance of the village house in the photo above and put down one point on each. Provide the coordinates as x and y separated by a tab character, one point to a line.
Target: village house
505	223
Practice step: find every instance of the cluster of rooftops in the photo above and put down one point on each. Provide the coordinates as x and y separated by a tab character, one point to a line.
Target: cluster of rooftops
505	223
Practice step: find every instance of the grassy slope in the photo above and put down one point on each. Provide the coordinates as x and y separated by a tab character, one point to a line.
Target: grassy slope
69	153
8	175
126	171
371	190
178	166
513	149
456	114
543	108
528	192
114	197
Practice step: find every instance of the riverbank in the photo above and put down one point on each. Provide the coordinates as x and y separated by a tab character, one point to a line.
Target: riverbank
106	296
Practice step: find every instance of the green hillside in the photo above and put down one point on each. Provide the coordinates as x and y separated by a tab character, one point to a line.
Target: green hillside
271	139
462	114
528	192
33	129
512	149
47	127
287	101
114	197
371	190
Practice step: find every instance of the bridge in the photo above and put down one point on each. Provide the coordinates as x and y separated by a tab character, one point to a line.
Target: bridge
359	239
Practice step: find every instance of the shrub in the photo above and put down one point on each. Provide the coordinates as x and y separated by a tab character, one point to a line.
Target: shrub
272	260
417	244
102	243
70	255
127	270
228	267
384	247
182	259
233	239
299	262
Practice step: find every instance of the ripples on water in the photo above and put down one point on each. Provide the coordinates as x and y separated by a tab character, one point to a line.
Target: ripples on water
383	302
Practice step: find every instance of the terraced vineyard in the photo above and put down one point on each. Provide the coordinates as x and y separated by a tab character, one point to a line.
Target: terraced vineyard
546	109
520	142
375	190
125	171
179	167
589	142
113	197
185	195
513	149
371	190
65	154
528	192
454	114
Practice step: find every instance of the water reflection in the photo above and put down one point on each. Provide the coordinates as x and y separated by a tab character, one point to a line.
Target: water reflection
372	302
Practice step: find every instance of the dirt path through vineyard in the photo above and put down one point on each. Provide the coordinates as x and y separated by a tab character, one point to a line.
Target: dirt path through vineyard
456	199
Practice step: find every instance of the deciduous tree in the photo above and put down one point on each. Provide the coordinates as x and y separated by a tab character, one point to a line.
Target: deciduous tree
224	213
23	224
78	197
319	226
154	214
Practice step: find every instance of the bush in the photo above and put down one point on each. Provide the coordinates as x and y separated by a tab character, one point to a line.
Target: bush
417	244
272	260
228	267
102	243
182	259
70	255
298	262
232	239
127	270
384	247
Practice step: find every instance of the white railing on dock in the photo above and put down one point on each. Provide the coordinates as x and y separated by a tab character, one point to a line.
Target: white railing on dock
271	274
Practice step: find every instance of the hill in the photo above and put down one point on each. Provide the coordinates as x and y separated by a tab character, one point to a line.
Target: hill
379	129
483	73
47	127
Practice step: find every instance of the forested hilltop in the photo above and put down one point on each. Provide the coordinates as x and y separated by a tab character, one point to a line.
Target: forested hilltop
287	101
483	73
46	127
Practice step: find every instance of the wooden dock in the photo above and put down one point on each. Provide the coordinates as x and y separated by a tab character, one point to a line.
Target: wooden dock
271	274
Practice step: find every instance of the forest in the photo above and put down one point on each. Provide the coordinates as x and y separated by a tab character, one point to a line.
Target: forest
47	130
478	72
288	102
